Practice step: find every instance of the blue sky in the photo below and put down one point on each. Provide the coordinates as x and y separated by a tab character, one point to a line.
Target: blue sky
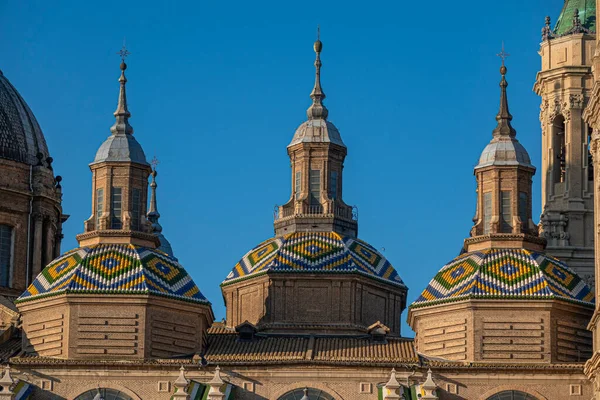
217	89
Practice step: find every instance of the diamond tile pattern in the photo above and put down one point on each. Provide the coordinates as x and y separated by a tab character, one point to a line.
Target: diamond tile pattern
505	274
114	268
314	253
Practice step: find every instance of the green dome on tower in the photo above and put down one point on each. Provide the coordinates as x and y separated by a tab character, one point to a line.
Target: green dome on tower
587	15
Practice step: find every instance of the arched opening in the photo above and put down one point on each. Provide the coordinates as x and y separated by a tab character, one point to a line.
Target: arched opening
559	156
103	394
512	395
307	393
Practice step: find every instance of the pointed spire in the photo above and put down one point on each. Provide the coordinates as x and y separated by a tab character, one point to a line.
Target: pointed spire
504	128
317	110
153	214
122	114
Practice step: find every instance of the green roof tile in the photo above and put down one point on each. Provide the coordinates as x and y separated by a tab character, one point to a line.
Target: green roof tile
587	15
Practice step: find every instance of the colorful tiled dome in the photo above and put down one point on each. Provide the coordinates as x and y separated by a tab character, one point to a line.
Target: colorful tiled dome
114	269
318	252
505	274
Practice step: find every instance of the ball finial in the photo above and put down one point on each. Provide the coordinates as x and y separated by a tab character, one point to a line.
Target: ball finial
123	66
503	70
318	46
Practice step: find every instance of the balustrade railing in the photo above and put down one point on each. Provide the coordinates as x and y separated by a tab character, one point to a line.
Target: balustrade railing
346	212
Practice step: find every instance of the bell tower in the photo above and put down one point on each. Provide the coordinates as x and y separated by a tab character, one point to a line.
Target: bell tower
564	85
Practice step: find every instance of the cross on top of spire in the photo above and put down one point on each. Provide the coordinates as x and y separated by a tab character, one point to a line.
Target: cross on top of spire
154	163
123	53
503	54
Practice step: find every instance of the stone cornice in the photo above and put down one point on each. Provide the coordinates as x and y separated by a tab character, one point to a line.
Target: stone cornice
503	240
118	236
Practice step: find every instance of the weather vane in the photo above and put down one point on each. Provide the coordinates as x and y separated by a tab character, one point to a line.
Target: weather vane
154	163
503	54
123	52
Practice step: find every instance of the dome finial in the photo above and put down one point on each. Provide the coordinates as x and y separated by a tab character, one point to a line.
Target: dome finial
122	114
317	110
504	127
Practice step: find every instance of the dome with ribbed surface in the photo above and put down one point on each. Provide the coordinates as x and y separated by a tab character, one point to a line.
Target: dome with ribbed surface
505	274
504	151
315	253
121	148
317	131
115	269
21	137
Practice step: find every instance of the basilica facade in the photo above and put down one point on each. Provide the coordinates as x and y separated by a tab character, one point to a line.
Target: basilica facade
312	313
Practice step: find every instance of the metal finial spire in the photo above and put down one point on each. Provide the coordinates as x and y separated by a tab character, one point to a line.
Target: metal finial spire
317	110
153	214
122	114
504	128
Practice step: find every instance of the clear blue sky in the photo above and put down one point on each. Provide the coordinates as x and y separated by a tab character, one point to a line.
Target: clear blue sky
216	90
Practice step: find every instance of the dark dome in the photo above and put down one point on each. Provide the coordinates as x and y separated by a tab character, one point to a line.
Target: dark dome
21	138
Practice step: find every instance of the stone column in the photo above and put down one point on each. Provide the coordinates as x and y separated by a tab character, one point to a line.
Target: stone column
57	241
574	138
50	237
38	225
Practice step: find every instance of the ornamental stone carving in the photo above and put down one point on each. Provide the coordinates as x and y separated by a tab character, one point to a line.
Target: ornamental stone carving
594	144
560	108
544	108
576	101
554	228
